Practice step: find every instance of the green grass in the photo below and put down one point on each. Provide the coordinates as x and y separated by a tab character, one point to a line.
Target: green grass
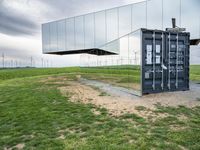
36	114
195	73
21	73
103	94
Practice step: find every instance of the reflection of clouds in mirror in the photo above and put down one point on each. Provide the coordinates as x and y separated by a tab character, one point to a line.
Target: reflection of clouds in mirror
124	46
195	54
79	32
70	34
125	20
89	30
130	46
138	16
61	35
112	24
100	33
190	17
154	14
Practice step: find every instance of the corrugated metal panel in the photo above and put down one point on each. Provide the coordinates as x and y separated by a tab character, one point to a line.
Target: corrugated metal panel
165	61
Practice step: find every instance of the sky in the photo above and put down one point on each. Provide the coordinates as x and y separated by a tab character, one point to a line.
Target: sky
20	26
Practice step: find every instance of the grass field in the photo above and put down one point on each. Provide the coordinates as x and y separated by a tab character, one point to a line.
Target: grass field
123	71
34	115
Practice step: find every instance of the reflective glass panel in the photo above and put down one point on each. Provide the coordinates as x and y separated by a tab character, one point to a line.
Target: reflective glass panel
112	24
89	31
79	32
154	14
45	37
70	32
190	17
53	37
61	35
171	10
138	16
135	61
125	20
100	29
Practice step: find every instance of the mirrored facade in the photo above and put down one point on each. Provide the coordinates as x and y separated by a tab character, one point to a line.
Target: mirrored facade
123	70
93	30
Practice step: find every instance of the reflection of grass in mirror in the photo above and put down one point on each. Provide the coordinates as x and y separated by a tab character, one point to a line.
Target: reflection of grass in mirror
127	76
195	73
124	70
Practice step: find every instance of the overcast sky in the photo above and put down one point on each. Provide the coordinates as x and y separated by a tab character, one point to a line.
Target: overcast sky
20	25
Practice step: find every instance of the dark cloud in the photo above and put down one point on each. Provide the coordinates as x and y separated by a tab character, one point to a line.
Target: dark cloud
15	23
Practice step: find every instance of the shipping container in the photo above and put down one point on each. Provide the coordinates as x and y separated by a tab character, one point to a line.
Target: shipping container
165	61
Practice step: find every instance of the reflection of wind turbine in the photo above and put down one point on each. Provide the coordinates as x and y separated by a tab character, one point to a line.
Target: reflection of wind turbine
135	57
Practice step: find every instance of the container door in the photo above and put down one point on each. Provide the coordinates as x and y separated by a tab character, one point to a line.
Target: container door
165	61
177	61
153	69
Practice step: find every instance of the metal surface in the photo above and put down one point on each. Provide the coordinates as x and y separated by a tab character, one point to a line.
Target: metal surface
165	61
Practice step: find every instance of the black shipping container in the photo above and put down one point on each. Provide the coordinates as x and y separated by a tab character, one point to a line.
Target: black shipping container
165	61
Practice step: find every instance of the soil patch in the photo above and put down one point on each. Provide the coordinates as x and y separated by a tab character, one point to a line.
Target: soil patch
118	105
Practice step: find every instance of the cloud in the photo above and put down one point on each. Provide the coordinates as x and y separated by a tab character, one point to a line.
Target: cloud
19	46
24	17
15	23
70	8
12	25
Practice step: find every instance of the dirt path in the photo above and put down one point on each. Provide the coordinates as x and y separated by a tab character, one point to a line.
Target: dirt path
120	104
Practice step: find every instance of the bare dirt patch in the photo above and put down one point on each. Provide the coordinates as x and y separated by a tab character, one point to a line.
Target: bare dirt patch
61	137
118	105
55	79
177	128
96	112
86	94
18	147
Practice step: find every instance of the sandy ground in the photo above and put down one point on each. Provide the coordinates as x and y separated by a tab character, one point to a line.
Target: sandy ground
118	103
